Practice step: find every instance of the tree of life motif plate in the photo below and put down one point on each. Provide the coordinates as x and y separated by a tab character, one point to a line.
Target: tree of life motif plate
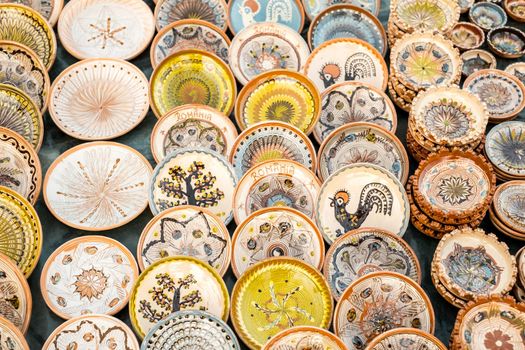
97	186
313	7
21	115
11	337
366	250
487	15
346	59
21	68
20	231
503	93
173	284
49	9
361	195
378	302
20	168
347	21
15	296
195	329
192	77
304	337
277	294
406	338
517	69
271	140
425	15
198	177
274	232
350	102
266	46
276	183
212	11
98	331
509	205
196	126
362	143
88	275
279	95
106	28
242	13
189	34
99	99
474	60
185	230
505	146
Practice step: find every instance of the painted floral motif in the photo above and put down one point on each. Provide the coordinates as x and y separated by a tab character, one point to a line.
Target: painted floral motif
464	37
473	64
194	133
211	11
515	209
455	190
447	120
422	14
494	94
488	16
508	42
497	340
90	284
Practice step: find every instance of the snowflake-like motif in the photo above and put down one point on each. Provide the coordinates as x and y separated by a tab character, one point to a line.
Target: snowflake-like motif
455	190
447	120
90	284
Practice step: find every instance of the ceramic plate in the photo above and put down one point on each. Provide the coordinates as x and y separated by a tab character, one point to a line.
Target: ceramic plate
517	69
346	59
271	140
276	183
507	42
197	126
509	205
49	9
374	198
27	27
366	250
515	9
302	337
279	95
474	60
276	294
194	329
21	231
21	68
106	28
189	34
362	143
313	7
502	93
487	15
87	331
99	99
381	301
425	15
20	168
97	186
504	146
189	177
21	115
275	232
347	21
192	77
466	36
398	339
16	296
242	13
212	11
173	284
11	336
265	46
185	230
350	102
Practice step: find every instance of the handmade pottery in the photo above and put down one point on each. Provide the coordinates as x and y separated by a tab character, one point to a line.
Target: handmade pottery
314	7
509	206
504	146
299	337
399	338
16	297
487	15
49	9
424	15
507	42
515	9
465	5
169	11
466	36
517	69
12	336
474	60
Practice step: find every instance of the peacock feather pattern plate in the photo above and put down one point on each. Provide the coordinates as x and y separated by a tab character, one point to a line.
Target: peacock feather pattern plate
212	11
11	337
313	7
504	147
16	296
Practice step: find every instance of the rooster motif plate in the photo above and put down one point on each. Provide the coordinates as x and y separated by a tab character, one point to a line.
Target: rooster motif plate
398	338
373	198
49	9
11	337
313	7
504	147
301	337
16	296
509	205
212	11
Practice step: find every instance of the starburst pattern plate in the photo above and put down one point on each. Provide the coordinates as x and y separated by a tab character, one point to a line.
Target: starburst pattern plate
509	205
505	147
15	296
212	11
474	60
399	338
97	186
11	337
304	337
425	15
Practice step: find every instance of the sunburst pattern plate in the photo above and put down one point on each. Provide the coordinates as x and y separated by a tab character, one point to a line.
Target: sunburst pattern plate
509	206
16	297
397	339
213	11
49	9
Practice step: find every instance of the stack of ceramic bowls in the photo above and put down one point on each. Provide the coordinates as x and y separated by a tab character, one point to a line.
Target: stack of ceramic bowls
470	263
507	211
420	61
445	118
519	287
450	190
503	147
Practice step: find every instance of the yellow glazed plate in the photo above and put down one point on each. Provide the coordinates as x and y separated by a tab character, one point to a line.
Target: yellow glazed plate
192	77
277	294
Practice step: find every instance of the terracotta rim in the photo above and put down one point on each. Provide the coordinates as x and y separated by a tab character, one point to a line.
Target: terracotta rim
298	329
311	18
57	8
413	331
470	53
506	6
496	198
493	6
20	339
472	28
500	52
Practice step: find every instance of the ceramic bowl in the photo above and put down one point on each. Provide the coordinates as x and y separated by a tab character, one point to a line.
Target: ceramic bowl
397	339
313	7
466	36
507	42
517	69
487	15
474	60
515	9
304	337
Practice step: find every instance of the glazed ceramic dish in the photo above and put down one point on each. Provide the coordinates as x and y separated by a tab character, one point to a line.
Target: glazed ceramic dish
362	143
509	205
97	186
507	42
27	27
300	337
350	102
196	126
424	15
20	168
517	69
173	284
169	11
16	297
279	293
389	298
346	59
106	28
465	5
185	230
88	275
197	177
192	77
466	36
515	9
189	34
505	142
474	60
99	99
262	47
276	183
397	339
487	15
279	95
21	234
21	68
314	7
92	330
12	336
49	9
374	198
